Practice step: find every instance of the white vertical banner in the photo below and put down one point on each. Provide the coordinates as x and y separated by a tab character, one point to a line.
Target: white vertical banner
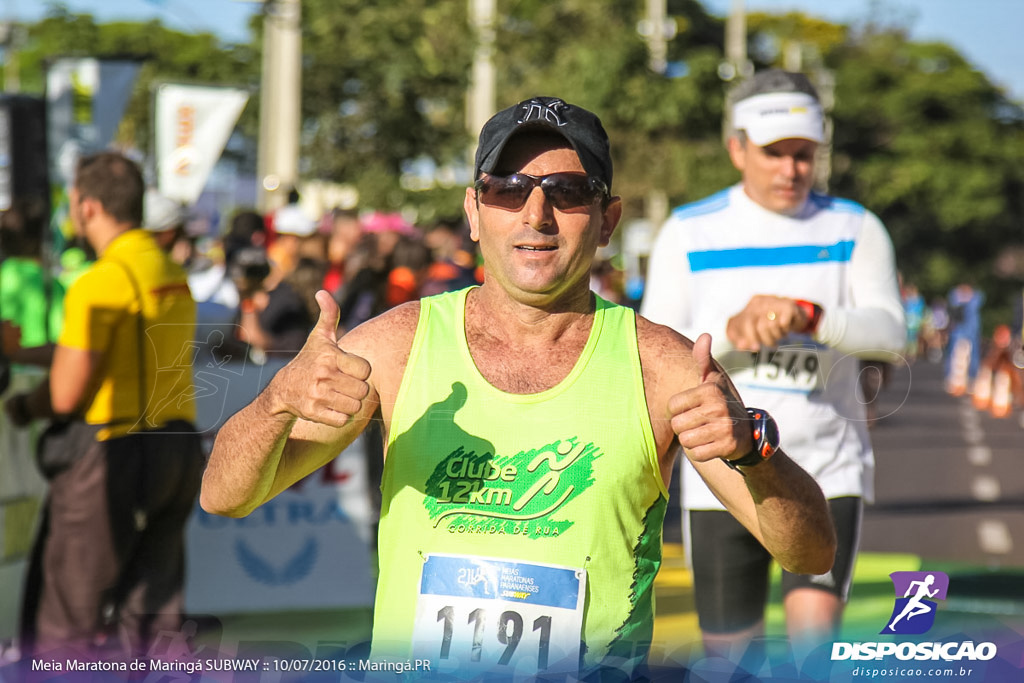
192	125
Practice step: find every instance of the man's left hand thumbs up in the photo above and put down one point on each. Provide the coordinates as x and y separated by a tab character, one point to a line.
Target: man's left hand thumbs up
709	419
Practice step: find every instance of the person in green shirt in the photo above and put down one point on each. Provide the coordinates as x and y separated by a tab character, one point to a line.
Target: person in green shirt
530	433
30	299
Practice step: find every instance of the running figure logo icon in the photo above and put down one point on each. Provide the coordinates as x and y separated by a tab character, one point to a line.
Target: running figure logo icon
914	613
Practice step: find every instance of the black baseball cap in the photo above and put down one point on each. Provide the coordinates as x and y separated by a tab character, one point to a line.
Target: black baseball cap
581	128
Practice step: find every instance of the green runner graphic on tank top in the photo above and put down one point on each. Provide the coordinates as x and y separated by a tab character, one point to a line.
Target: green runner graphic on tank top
519	494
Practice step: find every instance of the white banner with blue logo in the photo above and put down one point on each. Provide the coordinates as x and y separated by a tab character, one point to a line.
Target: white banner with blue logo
307	548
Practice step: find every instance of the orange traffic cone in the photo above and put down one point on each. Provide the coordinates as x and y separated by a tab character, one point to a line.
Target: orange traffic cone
1002	399
982	388
956	382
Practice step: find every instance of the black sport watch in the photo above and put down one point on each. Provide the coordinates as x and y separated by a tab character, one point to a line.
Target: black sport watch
766	440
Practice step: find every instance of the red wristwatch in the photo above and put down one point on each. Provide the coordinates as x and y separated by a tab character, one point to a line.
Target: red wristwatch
813	312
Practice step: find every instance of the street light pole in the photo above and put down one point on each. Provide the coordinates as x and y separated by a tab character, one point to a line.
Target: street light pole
736	38
736	64
657	45
277	157
480	99
657	29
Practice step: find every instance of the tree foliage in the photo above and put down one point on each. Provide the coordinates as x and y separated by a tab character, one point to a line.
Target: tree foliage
934	148
383	85
921	138
164	55
665	131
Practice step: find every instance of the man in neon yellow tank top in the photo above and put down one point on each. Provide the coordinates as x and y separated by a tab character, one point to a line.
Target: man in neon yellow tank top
531	429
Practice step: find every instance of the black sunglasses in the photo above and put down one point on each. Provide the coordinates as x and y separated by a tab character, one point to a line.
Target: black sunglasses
563	190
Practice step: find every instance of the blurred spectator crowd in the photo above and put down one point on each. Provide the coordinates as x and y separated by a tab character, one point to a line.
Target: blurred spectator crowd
258	279
256	282
948	330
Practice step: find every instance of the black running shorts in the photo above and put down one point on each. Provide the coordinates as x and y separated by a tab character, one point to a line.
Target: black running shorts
730	567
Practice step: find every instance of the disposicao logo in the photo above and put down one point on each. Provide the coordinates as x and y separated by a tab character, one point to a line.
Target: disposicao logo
914	613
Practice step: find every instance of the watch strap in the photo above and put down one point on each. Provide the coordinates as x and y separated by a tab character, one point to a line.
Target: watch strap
766	440
813	313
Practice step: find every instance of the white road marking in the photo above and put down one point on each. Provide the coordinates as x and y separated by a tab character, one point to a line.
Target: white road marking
994	537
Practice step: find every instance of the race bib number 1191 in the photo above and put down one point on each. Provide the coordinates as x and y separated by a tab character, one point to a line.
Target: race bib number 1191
477	615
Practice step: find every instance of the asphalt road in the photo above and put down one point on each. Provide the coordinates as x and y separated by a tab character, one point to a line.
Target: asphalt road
949	478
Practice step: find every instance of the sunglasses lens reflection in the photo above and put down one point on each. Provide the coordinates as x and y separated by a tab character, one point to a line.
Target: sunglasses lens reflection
562	190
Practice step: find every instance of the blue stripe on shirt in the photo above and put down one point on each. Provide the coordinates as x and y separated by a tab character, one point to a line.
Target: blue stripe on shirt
711	204
836	204
770	256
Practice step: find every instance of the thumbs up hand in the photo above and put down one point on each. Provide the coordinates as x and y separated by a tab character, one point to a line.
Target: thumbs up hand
709	419
322	383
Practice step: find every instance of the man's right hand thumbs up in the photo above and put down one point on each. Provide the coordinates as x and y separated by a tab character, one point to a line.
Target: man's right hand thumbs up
327	323
322	383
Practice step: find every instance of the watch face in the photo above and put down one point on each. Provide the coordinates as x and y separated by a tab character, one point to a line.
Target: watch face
766	440
765	433
771	437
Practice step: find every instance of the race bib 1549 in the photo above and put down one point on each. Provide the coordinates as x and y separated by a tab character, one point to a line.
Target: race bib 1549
796	369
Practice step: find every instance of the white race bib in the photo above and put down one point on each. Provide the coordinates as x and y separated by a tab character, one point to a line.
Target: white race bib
480	615
795	369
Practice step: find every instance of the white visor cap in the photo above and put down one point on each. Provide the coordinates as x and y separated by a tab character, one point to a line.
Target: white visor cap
160	212
779	116
292	220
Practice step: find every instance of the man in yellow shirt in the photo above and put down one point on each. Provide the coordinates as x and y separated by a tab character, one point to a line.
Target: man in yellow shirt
108	567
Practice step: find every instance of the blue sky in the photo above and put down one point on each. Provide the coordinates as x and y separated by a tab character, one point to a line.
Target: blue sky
987	32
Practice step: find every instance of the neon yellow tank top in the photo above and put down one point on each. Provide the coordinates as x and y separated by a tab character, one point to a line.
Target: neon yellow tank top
568	476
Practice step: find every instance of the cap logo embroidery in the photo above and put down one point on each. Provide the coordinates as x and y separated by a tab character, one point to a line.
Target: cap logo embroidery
535	110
